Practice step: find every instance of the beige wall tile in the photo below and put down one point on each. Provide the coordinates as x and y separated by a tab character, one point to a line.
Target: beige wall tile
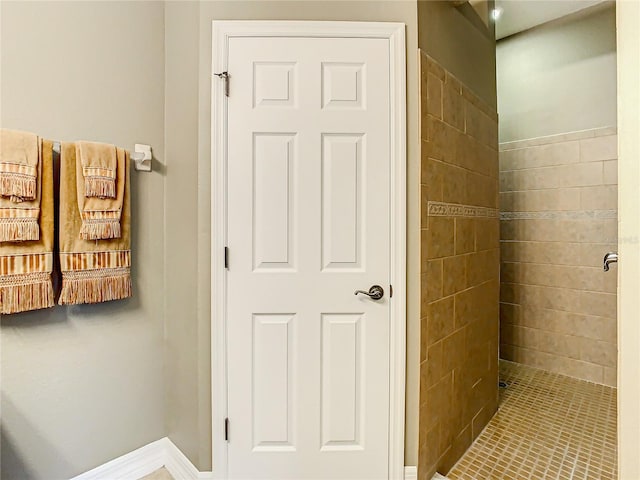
559	230
482	266
610	174
487	233
509	314
465	306
480	126
441	140
432	368
600	353
465	233
599	304
573	277
424	210
577	368
557	253
611	376
454	185
559	344
526	337
434	95
459	164
601	197
432	176
562	176
558	199
453	105
452	347
440	319
599	148
454	275
540	156
432	281
440	242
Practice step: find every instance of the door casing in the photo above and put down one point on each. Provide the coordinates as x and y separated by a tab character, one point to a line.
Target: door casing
395	34
628	64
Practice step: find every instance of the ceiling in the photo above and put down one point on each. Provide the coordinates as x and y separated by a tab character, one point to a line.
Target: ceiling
519	15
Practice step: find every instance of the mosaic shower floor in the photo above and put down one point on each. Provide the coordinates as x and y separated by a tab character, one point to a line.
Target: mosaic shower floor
548	426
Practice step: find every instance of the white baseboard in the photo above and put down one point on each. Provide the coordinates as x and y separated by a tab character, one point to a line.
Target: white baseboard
132	465
145	460
410	473
180	467
163	453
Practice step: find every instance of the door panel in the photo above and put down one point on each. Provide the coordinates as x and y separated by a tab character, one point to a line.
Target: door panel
308	224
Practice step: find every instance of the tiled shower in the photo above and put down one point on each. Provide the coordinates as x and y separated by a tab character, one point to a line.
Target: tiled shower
546	193
558	209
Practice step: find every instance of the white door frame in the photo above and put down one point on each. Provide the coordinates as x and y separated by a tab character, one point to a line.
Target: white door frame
628	25
395	34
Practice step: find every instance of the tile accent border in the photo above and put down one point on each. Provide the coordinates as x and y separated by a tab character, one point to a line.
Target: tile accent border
442	209
561	215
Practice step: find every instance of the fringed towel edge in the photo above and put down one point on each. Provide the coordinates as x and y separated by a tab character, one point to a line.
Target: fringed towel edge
18	186
100	229
19	229
101	187
95	286
25	292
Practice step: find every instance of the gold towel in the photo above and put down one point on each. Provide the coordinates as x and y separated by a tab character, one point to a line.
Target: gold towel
92	271
25	267
98	168
19	216
101	216
19	158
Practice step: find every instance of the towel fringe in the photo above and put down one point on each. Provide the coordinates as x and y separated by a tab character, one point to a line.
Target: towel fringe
101	187
94	286
27	296
100	229
19	229
18	186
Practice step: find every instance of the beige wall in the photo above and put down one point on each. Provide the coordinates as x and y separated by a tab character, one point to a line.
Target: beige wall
459	268
558	201
559	77
82	385
189	346
458	39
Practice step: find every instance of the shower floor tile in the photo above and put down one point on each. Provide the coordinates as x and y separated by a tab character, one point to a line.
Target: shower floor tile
548	426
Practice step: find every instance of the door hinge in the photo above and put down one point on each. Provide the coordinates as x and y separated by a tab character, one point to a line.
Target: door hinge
226	429
226	258
225	77
390	291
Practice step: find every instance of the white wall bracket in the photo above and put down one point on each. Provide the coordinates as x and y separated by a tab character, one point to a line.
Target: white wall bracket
142	157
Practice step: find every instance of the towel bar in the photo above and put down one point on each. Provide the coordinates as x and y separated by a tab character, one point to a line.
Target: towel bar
141	157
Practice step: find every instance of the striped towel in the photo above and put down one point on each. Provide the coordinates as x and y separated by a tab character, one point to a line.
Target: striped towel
25	266
94	268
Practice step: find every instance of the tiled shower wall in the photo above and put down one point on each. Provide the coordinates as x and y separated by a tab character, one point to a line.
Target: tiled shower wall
558	201
460	268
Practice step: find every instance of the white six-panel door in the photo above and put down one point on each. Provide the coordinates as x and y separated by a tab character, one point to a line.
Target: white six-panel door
308	223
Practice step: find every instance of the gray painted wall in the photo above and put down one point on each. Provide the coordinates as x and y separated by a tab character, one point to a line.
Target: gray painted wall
559	77
82	385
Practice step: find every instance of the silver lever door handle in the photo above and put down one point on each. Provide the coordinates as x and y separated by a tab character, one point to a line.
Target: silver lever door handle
610	257
376	292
